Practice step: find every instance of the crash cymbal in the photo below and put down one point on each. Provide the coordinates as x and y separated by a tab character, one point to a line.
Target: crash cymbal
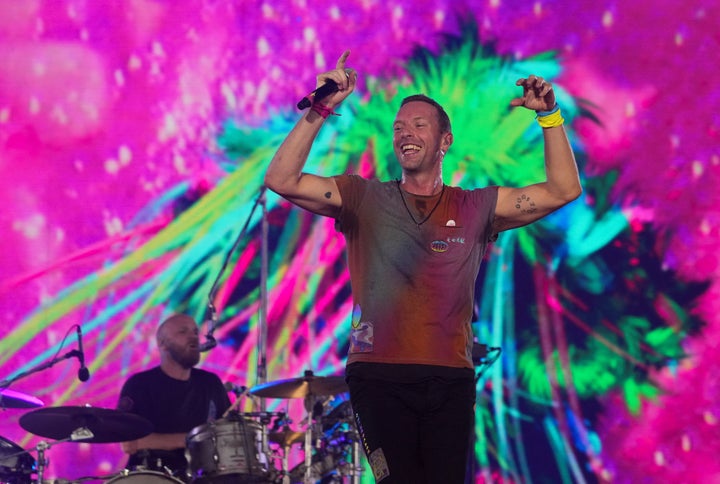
301	387
286	437
13	399
106	425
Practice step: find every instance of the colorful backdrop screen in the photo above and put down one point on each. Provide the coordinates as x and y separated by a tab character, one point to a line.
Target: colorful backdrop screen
133	141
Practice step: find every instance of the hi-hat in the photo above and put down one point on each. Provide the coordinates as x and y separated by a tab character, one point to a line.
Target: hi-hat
13	399
301	387
106	425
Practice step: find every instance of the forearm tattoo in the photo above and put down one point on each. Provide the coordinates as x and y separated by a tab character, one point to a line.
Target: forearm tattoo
525	205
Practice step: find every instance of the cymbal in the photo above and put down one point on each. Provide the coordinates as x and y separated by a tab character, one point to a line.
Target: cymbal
13	399
301	387
106	425
286	437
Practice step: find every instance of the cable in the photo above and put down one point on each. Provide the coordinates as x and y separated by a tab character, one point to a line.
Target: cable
488	361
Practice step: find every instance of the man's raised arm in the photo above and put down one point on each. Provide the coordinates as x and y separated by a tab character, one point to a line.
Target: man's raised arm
520	206
285	176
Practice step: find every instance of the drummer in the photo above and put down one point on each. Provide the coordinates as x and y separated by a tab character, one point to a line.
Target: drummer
174	396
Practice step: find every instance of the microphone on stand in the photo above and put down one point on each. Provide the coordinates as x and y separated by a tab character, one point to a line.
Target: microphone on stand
210	341
83	372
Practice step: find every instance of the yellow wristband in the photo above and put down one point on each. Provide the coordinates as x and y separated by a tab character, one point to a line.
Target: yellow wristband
551	120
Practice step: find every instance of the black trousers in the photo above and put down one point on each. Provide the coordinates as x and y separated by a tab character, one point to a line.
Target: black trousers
417	432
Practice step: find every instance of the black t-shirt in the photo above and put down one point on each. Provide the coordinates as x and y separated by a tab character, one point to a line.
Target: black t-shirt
172	406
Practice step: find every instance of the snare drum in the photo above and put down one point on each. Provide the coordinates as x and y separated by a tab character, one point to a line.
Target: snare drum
226	447
145	477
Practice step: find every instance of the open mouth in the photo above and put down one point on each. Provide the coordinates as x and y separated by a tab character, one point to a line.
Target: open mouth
409	148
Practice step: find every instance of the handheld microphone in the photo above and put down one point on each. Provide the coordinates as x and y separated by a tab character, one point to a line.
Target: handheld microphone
321	92
83	372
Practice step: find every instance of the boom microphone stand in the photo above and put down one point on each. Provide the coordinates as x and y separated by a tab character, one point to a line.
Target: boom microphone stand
262	314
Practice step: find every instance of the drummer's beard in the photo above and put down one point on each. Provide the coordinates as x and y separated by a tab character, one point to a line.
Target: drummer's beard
185	356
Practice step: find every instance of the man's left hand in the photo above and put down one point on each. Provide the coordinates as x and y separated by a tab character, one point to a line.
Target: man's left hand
538	94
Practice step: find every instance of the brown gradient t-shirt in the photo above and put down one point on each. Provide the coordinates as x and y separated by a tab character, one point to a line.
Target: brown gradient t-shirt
413	281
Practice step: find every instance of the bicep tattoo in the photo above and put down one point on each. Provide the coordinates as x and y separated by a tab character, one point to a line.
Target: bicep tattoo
525	205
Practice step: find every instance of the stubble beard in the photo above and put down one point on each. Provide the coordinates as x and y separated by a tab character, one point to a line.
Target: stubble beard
185	357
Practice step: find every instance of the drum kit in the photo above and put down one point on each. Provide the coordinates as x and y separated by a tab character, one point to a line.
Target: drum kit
249	447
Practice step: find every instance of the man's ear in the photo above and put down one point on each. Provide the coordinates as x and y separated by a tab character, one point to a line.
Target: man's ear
447	140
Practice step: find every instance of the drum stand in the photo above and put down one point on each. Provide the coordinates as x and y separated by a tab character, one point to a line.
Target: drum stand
42	461
286	465
309	404
311	401
356	468
42	446
264	451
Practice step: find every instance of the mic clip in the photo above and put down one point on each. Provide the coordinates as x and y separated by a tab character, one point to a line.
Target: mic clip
210	343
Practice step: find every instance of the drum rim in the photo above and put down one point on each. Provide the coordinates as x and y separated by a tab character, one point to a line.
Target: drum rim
125	474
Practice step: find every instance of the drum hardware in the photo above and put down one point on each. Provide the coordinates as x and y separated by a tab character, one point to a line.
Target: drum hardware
80	434
286	437
335	461
11	399
229	450
338	456
322	467
86	424
104	425
16	464
143	477
302	387
318	463
338	415
312	389
357	467
264	418
241	391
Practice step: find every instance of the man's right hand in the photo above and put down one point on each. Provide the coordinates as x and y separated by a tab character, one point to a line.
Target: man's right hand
345	77
130	447
285	176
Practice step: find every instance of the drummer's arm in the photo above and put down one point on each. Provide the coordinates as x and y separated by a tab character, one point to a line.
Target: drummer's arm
155	441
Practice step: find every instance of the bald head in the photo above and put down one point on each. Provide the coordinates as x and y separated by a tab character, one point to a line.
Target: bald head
171	323
177	339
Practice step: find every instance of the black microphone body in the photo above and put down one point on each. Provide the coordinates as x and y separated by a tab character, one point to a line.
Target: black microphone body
210	343
83	372
321	92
